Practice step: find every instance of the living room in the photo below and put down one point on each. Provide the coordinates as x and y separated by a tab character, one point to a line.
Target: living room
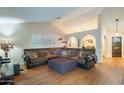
53	45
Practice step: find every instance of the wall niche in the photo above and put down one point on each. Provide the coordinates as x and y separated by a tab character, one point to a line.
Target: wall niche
72	42
89	41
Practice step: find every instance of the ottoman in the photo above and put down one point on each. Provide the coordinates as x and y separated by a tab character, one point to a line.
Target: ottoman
62	65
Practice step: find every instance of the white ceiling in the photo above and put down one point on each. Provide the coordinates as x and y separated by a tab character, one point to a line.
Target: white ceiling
35	14
110	14
83	19
87	18
73	19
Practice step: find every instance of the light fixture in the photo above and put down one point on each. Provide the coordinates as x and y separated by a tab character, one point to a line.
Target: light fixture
10	20
9	25
117	33
6	46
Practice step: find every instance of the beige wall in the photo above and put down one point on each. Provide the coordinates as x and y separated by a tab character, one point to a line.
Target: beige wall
21	35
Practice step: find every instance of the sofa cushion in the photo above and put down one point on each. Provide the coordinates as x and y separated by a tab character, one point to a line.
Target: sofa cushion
80	54
57	52
69	52
34	55
64	53
42	53
74	53
51	52
82	61
52	56
38	59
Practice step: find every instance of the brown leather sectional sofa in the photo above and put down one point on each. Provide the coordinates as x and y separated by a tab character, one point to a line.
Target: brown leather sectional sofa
35	57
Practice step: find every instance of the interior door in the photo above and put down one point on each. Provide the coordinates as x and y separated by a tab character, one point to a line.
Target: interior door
116	46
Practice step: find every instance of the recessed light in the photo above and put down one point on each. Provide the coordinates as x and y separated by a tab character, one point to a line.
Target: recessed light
7	20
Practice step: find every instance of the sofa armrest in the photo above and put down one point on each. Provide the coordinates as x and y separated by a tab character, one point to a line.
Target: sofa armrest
27	59
89	62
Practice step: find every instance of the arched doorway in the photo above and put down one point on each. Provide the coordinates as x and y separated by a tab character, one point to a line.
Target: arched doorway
72	42
89	41
117	46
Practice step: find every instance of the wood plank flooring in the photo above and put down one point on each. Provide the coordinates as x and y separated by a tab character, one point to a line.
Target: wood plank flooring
110	72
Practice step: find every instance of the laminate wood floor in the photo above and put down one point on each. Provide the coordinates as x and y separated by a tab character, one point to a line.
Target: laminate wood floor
110	72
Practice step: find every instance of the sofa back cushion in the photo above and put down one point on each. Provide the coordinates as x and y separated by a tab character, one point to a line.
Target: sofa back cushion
51	52
58	52
42	53
34	55
69	53
82	55
64	53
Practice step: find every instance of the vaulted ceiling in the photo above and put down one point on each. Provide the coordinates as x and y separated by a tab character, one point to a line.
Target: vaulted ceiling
35	14
82	19
67	19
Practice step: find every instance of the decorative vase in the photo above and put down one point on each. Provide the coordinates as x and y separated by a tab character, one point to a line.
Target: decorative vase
6	54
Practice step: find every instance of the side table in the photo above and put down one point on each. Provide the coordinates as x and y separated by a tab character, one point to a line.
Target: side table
16	69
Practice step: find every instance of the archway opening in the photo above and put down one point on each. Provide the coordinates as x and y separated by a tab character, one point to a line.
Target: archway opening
89	41
72	42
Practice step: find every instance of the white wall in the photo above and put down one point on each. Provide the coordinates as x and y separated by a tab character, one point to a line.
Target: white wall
107	34
104	38
21	36
96	33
